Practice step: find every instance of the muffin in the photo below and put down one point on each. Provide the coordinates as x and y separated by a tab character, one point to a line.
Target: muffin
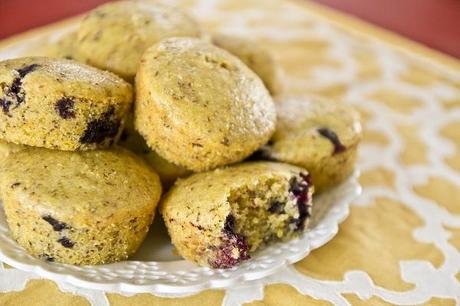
220	218
200	107
319	135
256	57
115	35
82	208
61	104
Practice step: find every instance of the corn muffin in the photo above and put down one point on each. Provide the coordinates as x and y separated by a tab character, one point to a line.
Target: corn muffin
115	35
256	57
61	104
317	134
219	218
200	107
82	208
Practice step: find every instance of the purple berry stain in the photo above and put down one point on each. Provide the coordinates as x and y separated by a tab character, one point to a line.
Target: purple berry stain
300	190
65	107
276	207
5	105
66	242
225	255
14	94
57	226
99	129
26	70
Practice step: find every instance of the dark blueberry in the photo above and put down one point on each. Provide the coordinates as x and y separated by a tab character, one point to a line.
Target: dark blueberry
300	187
276	207
303	214
15	91
66	242
229	225
5	105
332	136
65	107
297	187
57	226
14	94
27	69
99	129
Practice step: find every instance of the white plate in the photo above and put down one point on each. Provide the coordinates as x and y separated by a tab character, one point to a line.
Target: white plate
155	269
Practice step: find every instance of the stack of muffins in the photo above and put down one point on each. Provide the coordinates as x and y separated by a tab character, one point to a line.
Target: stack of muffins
85	163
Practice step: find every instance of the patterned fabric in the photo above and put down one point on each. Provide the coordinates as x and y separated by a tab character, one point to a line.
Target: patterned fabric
401	243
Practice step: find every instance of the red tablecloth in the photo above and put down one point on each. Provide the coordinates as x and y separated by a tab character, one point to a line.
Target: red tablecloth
435	23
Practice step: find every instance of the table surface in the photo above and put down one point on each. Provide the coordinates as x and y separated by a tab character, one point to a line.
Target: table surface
401	242
435	23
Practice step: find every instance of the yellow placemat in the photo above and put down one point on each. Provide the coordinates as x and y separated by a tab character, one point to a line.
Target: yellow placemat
401	243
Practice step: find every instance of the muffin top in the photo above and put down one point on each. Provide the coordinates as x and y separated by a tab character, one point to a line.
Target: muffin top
61	104
114	35
40	70
80	185
196	98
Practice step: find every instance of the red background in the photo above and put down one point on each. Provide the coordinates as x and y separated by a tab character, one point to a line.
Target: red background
435	23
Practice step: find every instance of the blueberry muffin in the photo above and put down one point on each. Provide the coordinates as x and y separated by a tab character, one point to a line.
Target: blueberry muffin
220	218
319	135
82	208
61	104
114	35
256	57
133	141
200	107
